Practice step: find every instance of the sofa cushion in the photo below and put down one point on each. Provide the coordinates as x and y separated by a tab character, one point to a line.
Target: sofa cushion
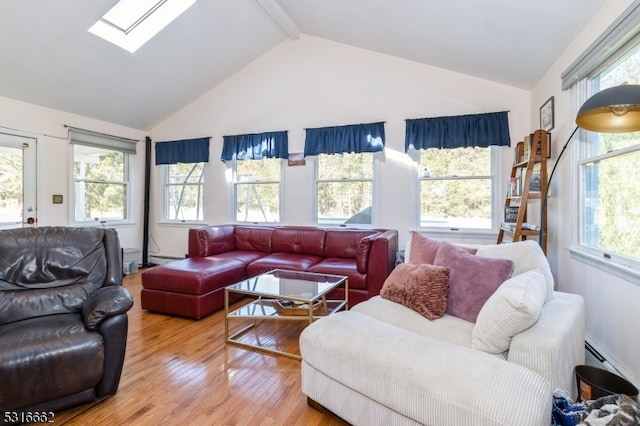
526	255
341	266
243	256
446	329
422	249
514	307
210	240
289	261
56	357
299	240
253	238
59	269
421	287
344	242
198	275
472	279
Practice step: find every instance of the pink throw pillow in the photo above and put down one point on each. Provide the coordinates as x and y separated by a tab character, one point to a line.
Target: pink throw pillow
423	249
472	279
421	287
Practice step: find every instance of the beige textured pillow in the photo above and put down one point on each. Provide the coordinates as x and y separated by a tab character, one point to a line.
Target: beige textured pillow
512	308
421	287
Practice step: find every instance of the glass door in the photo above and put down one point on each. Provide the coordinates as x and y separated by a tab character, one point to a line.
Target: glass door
17	181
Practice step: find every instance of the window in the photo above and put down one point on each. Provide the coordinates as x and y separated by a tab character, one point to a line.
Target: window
344	188
455	189
455	168
101	180
257	190
184	192
18	177
131	23
183	163
609	173
100	176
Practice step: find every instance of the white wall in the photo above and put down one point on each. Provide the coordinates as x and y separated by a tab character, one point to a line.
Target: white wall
313	82
54	161
612	303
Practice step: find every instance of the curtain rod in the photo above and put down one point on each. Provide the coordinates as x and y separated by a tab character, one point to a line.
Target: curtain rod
101	134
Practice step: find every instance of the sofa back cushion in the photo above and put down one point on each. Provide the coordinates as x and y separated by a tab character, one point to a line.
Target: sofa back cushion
526	256
49	270
345	242
254	238
210	240
300	240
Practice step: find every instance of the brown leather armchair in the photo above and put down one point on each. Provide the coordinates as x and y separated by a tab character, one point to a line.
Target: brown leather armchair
63	321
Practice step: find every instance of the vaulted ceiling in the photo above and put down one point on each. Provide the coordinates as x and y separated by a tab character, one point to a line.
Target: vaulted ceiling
50	59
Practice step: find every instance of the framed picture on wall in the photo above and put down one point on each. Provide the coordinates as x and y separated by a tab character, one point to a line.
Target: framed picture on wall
546	115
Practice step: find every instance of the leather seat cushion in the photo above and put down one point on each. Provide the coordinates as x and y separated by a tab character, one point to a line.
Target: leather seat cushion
199	275
46	358
290	261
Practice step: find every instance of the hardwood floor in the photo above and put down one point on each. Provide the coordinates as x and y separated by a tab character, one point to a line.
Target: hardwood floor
180	371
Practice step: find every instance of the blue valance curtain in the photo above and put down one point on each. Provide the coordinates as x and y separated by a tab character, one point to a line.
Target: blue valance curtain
461	131
183	151
351	138
255	146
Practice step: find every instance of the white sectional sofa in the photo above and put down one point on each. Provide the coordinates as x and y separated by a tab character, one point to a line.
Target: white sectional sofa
382	363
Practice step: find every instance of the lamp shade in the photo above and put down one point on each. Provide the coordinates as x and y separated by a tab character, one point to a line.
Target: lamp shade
613	110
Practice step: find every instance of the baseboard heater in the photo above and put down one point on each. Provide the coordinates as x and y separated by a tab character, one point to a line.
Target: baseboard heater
601	360
158	259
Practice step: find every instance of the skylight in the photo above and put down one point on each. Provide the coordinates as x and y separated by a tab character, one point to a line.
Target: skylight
131	23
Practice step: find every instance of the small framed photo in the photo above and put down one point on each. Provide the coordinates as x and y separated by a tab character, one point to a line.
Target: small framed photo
57	199
546	115
296	159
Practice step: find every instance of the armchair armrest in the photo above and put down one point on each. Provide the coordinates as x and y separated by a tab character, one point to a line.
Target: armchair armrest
554	345
104	303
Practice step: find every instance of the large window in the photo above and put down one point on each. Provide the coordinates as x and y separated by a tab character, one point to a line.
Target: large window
344	185
100	176
455	190
609	176
257	190
184	192
101	179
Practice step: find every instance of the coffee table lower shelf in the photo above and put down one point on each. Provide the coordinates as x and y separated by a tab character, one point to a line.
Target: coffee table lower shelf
264	309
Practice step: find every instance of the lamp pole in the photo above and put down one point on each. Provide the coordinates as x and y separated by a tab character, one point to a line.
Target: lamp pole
543	206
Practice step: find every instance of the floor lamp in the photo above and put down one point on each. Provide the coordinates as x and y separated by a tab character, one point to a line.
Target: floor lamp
612	110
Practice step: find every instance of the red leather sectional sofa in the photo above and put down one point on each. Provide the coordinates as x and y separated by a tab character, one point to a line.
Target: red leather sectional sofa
219	256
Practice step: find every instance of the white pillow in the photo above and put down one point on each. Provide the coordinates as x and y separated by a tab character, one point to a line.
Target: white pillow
526	255
512	308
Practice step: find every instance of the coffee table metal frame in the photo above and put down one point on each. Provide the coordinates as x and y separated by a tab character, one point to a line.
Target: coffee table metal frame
277	285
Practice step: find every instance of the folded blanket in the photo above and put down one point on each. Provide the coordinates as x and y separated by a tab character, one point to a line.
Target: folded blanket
612	410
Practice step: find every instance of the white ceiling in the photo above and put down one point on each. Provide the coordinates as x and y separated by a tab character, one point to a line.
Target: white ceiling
49	58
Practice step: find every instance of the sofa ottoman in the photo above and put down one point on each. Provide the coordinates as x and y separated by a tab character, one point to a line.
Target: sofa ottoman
192	287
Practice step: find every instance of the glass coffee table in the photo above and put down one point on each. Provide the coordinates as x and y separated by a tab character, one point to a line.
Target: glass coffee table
281	295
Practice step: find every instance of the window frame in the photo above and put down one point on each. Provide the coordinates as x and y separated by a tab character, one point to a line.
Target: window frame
374	190
622	37
166	185
233	185
496	154
126	183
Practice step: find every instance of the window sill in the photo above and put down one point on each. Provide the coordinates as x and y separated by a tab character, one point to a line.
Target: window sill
613	268
104	224
182	223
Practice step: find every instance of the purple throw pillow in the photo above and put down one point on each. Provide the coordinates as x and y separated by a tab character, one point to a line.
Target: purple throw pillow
472	279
